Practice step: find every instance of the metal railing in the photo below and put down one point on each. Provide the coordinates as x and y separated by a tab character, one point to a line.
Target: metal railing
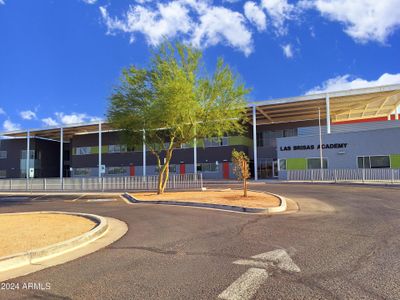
345	175
88	184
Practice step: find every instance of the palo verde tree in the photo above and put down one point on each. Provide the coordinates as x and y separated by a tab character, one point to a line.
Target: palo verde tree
241	168
173	101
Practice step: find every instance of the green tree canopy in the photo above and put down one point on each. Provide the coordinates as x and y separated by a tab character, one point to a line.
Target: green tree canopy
174	100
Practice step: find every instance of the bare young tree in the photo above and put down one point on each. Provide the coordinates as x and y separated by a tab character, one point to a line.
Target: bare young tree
241	168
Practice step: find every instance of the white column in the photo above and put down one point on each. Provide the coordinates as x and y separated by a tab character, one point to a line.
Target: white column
100	143
320	140
61	152
328	114
255	143
396	113
195	152
28	144
144	153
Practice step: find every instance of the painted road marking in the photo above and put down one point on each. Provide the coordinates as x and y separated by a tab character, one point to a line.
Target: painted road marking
280	258
101	200
38	197
246	286
76	199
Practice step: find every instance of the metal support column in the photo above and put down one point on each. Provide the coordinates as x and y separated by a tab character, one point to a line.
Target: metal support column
28	144
328	114
61	153
100	150
396	113
255	143
144	153
195	153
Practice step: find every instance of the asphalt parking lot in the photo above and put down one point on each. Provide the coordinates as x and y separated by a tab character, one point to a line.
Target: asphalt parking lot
343	241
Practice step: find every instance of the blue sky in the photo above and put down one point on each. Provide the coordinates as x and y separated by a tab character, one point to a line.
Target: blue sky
59	60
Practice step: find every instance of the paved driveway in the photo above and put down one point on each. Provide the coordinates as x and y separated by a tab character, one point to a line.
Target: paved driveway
344	239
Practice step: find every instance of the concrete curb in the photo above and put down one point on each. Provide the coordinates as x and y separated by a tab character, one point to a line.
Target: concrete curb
282	206
38	255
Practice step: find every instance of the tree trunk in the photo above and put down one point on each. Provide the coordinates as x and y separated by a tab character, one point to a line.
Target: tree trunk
245	187
160	180
164	174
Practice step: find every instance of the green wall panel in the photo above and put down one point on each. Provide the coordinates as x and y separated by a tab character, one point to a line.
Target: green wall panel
296	164
395	161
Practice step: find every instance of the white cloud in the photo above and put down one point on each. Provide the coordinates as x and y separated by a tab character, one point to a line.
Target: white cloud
10	126
279	11
88	1
364	20
164	22
73	118
27	115
197	22
221	25
49	122
287	50
347	82
68	119
2	112
2	2
255	15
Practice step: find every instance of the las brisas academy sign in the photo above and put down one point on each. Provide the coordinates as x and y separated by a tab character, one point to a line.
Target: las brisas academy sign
313	147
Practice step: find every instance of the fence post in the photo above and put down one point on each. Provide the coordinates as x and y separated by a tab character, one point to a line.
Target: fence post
125	180
102	184
312	175
392	176
201	180
10	184
363	175
44	184
335	175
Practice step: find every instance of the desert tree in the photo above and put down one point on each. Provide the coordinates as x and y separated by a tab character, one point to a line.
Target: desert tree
173	100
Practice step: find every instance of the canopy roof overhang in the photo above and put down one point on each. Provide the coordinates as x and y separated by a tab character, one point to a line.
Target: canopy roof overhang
54	133
339	106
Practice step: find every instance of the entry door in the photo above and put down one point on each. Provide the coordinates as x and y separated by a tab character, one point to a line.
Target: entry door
182	169
275	168
226	170
132	170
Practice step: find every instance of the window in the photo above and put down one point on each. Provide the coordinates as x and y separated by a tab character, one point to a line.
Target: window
216	142
83	150
117	148
282	164
172	169
32	154
207	167
289	132
3	173
116	171
81	171
315	163
260	139
3	154
373	162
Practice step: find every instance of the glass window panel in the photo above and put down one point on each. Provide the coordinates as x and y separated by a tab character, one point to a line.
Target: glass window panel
315	163
380	161
282	164
3	154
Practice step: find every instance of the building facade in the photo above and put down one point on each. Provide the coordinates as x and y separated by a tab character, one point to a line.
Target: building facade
356	128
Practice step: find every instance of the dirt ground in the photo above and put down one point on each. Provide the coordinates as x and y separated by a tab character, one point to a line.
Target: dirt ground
226	197
20	233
